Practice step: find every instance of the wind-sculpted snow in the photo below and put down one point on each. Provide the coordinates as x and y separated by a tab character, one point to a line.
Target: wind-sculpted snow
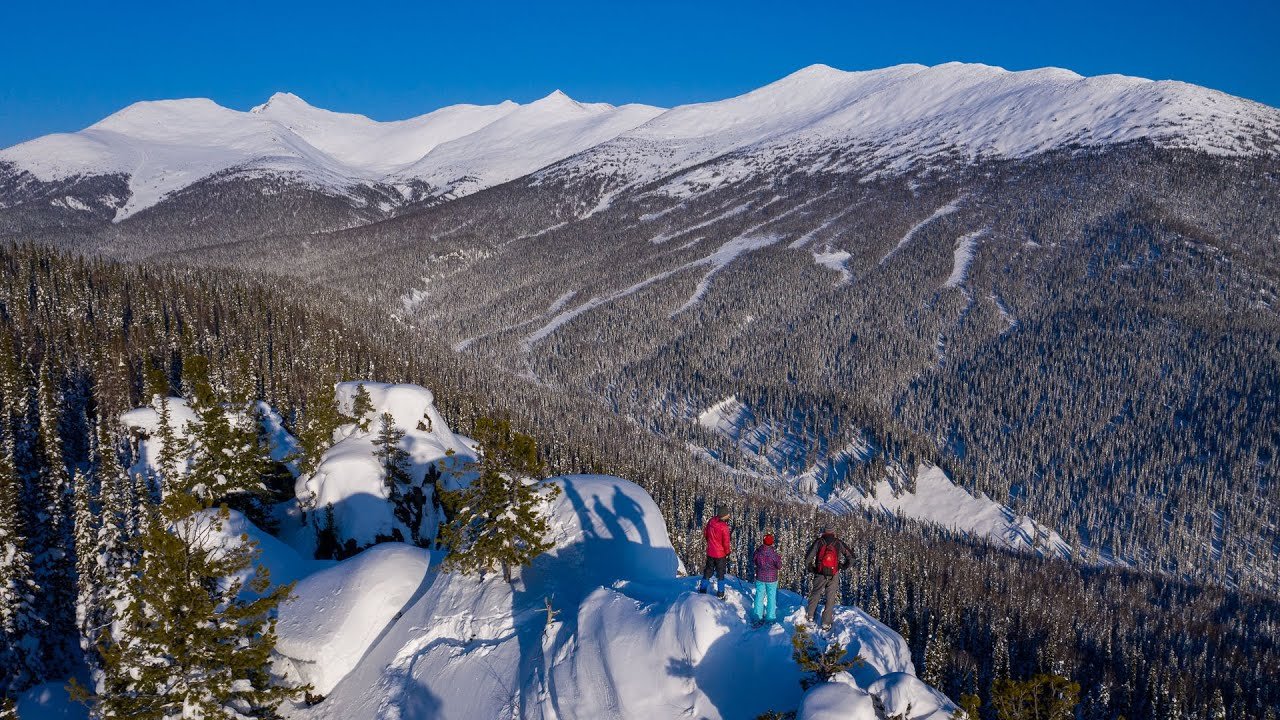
349	477
337	613
629	638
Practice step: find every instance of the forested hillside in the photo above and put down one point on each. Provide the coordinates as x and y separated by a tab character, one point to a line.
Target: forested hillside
84	340
1061	290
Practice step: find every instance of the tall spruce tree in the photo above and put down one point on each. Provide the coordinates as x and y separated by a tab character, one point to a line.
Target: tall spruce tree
55	555
407	498
191	641
362	407
20	622
315	432
228	461
498	521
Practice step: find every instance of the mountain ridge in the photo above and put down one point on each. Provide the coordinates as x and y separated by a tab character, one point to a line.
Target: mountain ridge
896	116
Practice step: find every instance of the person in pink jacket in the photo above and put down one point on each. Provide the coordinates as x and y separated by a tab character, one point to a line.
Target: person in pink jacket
718	546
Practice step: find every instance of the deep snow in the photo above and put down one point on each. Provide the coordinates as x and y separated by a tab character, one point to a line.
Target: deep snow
893	117
388	635
630	638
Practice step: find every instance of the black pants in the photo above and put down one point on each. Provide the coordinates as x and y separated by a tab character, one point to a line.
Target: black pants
719	566
828	585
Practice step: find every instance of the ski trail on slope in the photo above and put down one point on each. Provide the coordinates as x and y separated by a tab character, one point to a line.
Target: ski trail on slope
941	212
966	245
554	307
719	259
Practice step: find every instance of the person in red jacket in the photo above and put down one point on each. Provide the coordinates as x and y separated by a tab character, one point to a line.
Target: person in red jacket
717	534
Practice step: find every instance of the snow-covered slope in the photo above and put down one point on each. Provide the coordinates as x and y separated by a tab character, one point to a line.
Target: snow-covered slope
165	146
888	118
935	499
629	639
924	493
530	137
909	113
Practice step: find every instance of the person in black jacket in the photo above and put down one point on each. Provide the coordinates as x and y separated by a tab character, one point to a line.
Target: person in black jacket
826	557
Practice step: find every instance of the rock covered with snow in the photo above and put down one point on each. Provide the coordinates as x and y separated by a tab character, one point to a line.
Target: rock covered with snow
337	613
837	701
144	422
907	696
349	477
627	637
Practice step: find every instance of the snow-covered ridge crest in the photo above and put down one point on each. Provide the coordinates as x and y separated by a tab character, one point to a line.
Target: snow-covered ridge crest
166	145
897	116
890	117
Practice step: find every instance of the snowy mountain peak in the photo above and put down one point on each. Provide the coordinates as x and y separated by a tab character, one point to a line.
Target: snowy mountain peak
558	101
281	99
890	118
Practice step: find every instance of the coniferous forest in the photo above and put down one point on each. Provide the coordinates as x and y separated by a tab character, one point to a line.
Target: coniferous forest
84	340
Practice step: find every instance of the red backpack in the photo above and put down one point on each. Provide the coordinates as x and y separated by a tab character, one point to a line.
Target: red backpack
828	558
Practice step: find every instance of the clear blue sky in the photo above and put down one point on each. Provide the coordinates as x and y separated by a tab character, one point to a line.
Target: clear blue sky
64	65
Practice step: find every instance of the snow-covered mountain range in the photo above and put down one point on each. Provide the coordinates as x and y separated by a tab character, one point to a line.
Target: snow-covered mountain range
899	116
912	248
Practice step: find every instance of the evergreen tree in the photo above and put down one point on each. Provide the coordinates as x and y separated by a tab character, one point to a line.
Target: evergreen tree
407	497
315	432
172	446
498	520
362	407
20	622
228	461
89	575
54	561
818	666
191	642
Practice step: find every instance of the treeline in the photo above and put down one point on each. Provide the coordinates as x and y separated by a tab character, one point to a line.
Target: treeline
81	337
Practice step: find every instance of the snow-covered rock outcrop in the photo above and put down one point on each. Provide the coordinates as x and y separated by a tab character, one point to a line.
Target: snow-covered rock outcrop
604	625
629	638
350	476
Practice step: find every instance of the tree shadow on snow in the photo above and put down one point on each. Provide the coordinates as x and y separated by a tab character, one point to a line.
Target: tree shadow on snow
604	555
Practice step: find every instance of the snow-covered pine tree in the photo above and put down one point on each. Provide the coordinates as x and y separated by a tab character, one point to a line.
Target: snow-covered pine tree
407	498
89	575
315	432
362	407
498	520
190	642
20	623
171	446
53	543
936	651
228	458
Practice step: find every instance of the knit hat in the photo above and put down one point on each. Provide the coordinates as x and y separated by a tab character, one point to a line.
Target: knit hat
722	512
768	539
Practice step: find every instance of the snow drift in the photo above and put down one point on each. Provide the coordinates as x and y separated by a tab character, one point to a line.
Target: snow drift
628	638
603	626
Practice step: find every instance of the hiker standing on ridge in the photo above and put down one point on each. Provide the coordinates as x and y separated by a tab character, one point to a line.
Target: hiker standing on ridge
826	557
717	534
768	562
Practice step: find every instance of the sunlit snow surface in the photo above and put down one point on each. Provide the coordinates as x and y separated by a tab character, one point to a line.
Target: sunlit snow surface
630	639
387	635
890	118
